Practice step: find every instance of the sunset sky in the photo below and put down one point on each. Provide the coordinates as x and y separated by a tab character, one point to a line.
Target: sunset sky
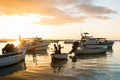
59	19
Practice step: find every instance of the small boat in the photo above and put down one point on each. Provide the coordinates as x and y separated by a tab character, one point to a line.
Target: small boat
11	58
57	55
87	51
62	56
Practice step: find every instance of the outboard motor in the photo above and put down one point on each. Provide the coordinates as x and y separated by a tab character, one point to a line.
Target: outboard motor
74	47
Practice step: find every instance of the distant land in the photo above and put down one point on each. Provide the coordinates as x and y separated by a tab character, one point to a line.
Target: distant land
7	40
12	40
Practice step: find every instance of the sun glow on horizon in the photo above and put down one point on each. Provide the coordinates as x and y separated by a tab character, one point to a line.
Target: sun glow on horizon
58	19
15	25
16	43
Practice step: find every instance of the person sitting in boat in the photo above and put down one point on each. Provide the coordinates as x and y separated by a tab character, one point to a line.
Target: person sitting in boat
59	49
56	50
8	48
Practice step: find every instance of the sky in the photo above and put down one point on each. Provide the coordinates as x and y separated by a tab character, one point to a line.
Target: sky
60	19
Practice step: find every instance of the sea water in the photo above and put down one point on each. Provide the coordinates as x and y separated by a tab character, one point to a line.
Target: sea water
88	67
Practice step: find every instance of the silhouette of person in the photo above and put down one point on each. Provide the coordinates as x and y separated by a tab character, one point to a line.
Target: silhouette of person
59	49
55	47
8	48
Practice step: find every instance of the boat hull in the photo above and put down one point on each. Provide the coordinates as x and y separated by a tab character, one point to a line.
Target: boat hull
109	44
94	45
11	58
89	51
59	56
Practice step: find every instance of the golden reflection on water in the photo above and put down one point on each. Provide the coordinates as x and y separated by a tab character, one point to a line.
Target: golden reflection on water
97	67
37	59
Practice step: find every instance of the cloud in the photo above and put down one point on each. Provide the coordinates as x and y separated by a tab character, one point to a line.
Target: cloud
56	12
61	20
101	17
93	9
118	21
27	6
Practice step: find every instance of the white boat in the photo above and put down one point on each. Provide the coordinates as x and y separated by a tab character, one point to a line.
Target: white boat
34	45
109	43
62	56
11	58
93	45
90	41
87	51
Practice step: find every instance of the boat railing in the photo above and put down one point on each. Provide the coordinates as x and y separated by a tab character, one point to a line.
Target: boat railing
10	54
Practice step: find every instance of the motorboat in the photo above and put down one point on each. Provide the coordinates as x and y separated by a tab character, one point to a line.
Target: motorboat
78	50
58	55
11	58
62	56
35	44
90	41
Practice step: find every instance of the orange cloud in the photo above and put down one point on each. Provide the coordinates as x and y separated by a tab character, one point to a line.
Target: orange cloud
62	11
27	6
61	20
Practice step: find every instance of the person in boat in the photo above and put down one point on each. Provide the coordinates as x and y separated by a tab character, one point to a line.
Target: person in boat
59	49
8	48
56	50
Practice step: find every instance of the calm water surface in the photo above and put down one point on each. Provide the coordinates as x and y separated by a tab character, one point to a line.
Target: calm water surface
92	67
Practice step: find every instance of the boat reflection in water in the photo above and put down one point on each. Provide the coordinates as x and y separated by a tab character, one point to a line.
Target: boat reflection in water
58	65
110	50
82	57
36	58
12	68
